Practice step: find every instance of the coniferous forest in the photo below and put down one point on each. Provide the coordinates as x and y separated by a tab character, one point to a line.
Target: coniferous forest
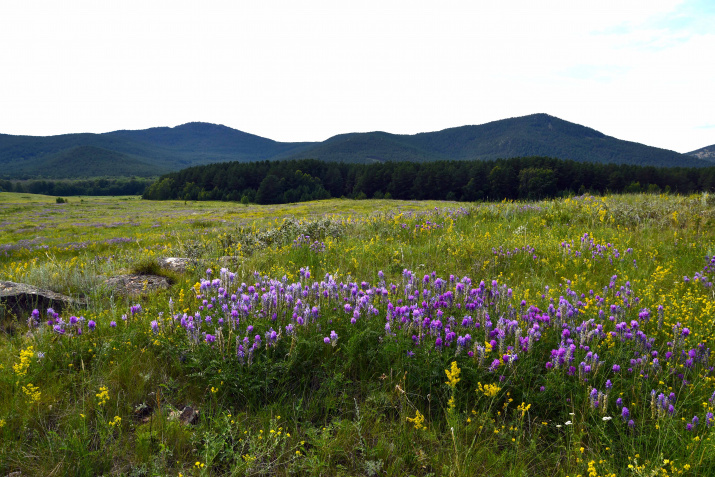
97	187
528	178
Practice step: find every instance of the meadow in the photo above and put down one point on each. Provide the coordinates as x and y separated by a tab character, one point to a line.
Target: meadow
376	337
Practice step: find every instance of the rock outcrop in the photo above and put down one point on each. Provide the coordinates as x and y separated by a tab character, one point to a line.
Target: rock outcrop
19	298
175	264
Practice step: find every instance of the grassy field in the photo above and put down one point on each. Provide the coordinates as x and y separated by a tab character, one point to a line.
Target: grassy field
565	337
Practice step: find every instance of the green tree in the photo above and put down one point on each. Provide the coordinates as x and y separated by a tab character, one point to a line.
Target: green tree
270	191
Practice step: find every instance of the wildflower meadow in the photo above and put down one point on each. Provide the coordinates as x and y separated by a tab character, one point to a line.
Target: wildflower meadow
564	337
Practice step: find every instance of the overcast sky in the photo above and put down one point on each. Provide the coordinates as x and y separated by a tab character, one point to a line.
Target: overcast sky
641	70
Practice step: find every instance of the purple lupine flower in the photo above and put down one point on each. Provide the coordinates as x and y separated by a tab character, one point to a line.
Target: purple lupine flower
91	324
625	413
326	340
616	368
113	324
210	338
155	326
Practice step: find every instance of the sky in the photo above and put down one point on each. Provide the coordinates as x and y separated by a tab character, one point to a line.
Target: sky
639	70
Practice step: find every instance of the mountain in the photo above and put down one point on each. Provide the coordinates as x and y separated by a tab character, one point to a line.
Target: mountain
154	151
534	135
91	161
705	153
205	143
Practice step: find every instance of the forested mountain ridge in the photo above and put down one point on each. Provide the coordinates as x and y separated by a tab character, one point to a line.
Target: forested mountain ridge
533	135
157	150
706	153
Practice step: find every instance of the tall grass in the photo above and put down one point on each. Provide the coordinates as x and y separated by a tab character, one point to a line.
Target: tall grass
345	348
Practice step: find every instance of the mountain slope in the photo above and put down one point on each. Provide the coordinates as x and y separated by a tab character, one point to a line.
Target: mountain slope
534	135
204	140
706	153
161	149
91	161
367	148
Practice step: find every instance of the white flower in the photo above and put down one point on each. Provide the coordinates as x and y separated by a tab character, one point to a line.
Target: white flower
567	423
606	418
571	414
558	425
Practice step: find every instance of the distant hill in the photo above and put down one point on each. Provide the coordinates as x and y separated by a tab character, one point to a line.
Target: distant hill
156	150
202	143
534	135
91	161
705	153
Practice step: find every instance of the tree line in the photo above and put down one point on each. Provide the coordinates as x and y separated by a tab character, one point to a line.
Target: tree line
128	186
529	178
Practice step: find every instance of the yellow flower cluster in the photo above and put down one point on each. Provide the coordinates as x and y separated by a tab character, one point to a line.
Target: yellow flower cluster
489	390
32	392
452	375
26	355
102	396
523	407
593	472
116	421
418	420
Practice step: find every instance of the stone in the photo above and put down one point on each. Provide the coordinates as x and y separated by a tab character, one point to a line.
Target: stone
175	264
130	285
189	416
19	298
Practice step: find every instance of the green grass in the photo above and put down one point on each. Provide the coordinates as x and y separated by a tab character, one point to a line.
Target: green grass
305	407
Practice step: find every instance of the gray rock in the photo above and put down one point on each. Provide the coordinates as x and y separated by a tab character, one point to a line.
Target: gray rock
175	264
18	298
189	416
130	285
